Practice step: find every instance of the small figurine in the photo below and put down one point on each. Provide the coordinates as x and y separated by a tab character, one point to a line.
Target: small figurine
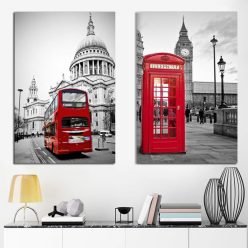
54	212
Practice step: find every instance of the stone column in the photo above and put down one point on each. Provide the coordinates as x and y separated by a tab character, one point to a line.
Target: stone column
88	67
103	67
80	73
98	67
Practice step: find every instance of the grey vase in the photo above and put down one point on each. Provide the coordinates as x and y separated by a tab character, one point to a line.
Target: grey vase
231	194
211	202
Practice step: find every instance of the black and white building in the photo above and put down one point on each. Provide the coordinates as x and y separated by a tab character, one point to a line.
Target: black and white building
93	70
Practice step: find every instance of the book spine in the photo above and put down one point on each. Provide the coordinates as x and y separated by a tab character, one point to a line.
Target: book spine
145	209
180	210
180	206
180	219
152	209
195	223
72	223
157	210
180	215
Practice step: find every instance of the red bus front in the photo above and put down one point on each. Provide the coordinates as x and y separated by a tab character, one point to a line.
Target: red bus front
71	123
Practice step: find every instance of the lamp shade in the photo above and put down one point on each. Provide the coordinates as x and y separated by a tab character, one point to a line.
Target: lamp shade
25	188
221	64
214	41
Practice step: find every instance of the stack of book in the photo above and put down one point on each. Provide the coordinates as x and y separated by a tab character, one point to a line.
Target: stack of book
181	214
63	220
149	212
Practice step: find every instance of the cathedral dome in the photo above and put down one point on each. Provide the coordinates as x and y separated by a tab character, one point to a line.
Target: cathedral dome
92	56
91	41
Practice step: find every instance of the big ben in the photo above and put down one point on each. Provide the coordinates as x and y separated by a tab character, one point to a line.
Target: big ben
184	48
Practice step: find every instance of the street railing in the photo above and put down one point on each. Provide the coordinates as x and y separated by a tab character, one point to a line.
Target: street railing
226	123
230	116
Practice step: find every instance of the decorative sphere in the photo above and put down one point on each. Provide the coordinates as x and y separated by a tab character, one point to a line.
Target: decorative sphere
62	207
124	210
75	207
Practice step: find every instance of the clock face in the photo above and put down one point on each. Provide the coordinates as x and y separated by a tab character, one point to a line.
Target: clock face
185	52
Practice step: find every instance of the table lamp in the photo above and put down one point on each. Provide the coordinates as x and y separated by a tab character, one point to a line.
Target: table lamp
25	189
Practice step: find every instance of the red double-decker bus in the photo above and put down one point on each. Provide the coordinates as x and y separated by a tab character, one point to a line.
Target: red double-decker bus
67	123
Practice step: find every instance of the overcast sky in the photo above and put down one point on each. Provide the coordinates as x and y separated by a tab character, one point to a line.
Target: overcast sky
160	31
45	44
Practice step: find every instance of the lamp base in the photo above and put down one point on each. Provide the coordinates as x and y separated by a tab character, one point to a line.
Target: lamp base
24	208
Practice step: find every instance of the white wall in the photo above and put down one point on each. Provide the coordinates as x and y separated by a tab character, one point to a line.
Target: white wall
104	187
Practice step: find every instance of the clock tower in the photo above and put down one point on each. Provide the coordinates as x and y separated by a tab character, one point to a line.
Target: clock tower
184	48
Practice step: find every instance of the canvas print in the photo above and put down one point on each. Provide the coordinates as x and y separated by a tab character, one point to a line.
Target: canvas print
186	87
64	87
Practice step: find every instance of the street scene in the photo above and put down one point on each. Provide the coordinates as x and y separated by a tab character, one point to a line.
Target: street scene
202	147
64	106
186	88
32	151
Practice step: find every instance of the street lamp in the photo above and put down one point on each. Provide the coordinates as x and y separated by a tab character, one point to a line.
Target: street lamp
18	120
214	41
221	65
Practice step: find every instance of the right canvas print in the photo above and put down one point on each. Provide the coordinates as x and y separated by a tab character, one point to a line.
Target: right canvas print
186	87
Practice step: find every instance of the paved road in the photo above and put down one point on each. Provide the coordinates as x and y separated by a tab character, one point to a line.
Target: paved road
202	147
32	151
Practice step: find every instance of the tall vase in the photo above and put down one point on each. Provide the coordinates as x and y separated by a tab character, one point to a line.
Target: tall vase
231	194
211	203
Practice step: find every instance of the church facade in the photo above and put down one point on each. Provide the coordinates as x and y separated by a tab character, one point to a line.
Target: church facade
93	70
34	112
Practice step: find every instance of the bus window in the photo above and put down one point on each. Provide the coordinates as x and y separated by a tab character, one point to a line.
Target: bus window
56	102
50	130
73	99
69	122
53	130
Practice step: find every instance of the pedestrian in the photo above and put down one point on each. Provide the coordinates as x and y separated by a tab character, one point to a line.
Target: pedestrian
103	139
187	113
201	115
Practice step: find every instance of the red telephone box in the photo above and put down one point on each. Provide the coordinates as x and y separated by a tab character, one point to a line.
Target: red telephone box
163	104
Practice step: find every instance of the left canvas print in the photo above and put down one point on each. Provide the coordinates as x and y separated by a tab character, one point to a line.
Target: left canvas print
64	87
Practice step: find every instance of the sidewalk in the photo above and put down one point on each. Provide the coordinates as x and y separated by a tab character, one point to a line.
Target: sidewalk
24	153
202	147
